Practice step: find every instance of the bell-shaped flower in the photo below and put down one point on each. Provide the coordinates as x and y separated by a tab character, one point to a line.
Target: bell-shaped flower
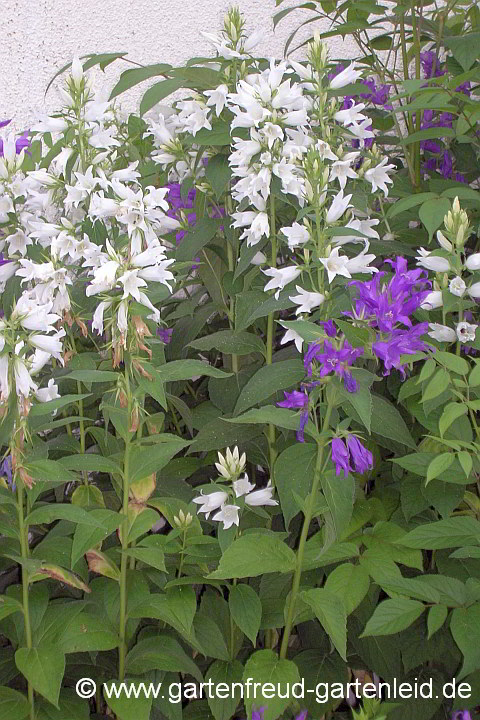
229	515
23	381
261	497
474	290
97	320
432	262
338	207
378	176
306	301
280	278
210	502
292	336
434	299
48	393
465	332
242	486
297	235
473	261
336	264
457	286
345	77
442	333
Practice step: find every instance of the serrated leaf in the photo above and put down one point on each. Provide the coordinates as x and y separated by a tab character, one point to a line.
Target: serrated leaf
393	616
246	610
438	465
435	619
254	554
269	380
331	614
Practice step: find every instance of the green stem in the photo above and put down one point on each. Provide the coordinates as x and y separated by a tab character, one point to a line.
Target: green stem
231	267
182	552
25	581
82	429
122	648
303	537
270	334
418	119
232	631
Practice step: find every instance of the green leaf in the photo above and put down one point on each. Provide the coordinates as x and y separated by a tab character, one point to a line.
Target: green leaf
252	555
230	342
8	606
90	462
452	532
13	705
350	583
407	203
195	240
86	537
281	417
218	174
474	377
91	376
437	385
133	708
44	667
48	470
218	434
269	380
435	619
465	48
145	461
155	94
393	616
50	407
187	369
465	628
220	671
294	470
134	76
48	513
86	632
150	556
339	494
264	666
182	604
452	362
331	614
439	464
161	652
246	610
432	212
387	422
450	413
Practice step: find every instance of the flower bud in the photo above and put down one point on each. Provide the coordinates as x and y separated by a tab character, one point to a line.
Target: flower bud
474	290
443	242
442	333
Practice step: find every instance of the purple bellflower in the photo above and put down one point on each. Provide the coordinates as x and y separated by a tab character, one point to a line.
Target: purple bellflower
6	471
401	342
333	359
165	334
461	715
352	453
294	400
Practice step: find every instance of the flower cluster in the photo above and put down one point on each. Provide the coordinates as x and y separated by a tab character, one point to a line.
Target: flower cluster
230	467
351	453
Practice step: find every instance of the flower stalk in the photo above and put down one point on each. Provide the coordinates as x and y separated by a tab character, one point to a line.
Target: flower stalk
270	333
122	649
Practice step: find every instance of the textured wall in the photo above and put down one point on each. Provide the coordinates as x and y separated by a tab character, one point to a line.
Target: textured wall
39	37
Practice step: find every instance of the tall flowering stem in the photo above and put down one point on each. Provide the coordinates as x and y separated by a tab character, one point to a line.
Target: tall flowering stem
270	332
15	451
124	528
297	576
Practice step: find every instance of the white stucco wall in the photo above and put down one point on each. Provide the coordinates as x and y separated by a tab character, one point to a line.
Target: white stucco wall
40	36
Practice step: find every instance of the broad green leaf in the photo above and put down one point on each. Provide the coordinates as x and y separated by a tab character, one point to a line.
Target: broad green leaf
350	583
156	94
407	203
281	417
218	434
432	212
474	377
8	606
161	652
452	532
91	376
69	705
246	610
86	632
149	556
133	708
437	385
218	174
230	342
465	48
435	619
393	616
187	369
452	362
332	615
195	240
13	705
252	555
44	667
90	463
50	512
49	470
182	604
50	407
439	464
86	537
451	412
269	380
147	460
294	470
264	666
465	628
387	422
339	494
134	76
220	671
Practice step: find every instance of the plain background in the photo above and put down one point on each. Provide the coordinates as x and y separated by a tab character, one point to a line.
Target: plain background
40	37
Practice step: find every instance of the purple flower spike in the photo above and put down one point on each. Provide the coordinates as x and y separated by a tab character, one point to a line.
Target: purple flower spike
329	327
461	715
295	400
334	360
401	342
361	457
6	471
302	715
340	457
258	714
